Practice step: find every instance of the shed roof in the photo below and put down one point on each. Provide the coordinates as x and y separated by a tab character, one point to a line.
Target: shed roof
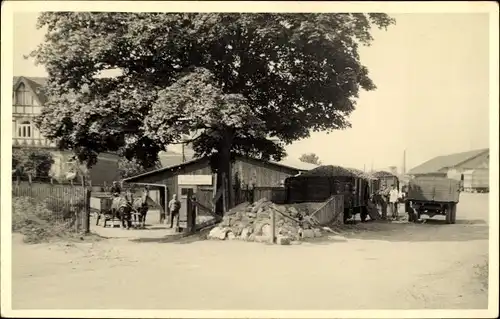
295	164
285	164
446	161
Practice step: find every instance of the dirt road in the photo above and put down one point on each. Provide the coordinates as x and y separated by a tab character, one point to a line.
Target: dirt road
389	266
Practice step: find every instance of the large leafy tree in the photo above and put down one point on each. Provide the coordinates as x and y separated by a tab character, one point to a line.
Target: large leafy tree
235	79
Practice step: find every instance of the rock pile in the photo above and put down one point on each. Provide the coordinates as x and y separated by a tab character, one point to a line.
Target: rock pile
253	222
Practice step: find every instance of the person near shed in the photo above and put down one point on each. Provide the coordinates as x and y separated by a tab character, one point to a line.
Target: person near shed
174	205
381	199
393	201
115	189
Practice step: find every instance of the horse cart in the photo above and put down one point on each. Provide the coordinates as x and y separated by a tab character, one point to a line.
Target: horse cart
101	208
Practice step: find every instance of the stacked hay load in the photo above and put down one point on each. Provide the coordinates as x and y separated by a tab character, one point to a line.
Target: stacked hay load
329	171
385	181
253	222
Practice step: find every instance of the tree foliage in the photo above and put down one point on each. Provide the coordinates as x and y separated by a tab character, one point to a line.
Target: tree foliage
310	158
127	168
237	79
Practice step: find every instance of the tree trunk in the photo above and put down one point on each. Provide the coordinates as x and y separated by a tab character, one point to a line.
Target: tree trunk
224	169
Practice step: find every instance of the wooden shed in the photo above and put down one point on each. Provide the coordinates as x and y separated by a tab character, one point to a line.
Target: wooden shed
196	174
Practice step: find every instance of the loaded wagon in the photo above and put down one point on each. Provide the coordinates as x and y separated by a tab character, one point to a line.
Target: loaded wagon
319	184
433	196
383	179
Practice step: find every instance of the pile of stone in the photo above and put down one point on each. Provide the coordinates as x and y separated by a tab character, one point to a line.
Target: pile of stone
253	222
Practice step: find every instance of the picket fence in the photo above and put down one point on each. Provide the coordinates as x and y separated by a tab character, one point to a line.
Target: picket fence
68	203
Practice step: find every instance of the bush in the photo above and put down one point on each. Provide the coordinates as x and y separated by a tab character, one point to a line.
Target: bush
35	162
36	222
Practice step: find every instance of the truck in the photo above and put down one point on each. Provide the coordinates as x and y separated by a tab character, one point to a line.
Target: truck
433	196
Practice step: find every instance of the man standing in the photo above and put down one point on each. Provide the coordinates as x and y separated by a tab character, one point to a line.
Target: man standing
382	196
115	189
174	205
393	201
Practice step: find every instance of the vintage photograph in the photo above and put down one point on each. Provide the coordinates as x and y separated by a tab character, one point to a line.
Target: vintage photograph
250	161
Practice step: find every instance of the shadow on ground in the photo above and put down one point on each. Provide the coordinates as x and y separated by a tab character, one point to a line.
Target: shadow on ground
431	230
180	238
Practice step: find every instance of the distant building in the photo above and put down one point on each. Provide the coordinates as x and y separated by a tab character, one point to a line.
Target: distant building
453	165
28	100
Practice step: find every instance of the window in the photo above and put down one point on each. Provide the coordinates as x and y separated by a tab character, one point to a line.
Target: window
184	191
23	96
24	130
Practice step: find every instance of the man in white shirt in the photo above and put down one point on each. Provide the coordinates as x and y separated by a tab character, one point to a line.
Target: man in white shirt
393	201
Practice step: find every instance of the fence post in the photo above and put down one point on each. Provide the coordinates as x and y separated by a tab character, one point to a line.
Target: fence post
191	215
224	195
86	221
30	186
273	226
78	214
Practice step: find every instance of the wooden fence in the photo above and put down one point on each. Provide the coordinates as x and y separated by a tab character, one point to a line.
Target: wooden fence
68	203
331	211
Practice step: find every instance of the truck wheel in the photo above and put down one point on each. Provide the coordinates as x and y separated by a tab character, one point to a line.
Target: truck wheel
453	213
449	213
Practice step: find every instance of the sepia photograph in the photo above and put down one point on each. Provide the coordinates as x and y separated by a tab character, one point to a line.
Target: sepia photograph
267	157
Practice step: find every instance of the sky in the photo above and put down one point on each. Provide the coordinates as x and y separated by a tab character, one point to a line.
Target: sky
432	98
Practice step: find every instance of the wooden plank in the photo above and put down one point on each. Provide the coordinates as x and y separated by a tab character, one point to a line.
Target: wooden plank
217	195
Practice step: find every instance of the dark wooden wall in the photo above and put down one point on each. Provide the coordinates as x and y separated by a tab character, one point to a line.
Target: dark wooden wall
263	173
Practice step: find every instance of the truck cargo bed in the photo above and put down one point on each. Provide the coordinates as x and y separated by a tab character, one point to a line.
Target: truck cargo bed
434	189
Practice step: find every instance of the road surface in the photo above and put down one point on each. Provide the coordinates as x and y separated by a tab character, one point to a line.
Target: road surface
388	266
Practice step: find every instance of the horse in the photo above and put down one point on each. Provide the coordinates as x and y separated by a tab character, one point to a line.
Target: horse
122	207
141	206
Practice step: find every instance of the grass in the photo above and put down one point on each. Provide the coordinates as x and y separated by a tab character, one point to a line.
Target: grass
33	219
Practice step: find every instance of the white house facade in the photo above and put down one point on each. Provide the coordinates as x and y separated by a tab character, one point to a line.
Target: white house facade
28	100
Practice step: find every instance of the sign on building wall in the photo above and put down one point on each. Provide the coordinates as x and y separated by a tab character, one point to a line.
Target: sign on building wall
194	179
